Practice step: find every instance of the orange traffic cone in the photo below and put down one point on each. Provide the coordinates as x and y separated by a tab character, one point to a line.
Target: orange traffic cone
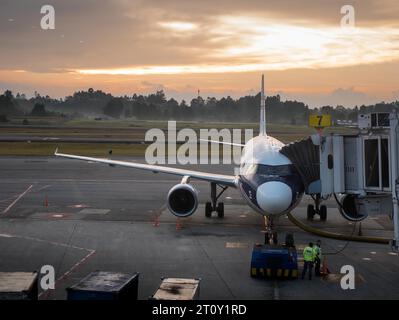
178	224
156	222
46	202
324	269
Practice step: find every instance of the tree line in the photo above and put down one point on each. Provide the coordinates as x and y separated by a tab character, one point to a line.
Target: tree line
156	106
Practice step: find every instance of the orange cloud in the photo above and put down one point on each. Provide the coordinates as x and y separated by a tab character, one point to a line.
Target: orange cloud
251	44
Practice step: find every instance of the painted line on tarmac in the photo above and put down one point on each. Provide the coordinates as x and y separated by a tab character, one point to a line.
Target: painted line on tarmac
42	188
45	294
17	199
7	199
90	253
4	235
60	244
4	202
77	264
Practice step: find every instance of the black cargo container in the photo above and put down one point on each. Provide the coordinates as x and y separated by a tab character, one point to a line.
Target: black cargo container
102	285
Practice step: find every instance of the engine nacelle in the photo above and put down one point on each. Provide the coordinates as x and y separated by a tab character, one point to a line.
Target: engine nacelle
182	200
350	208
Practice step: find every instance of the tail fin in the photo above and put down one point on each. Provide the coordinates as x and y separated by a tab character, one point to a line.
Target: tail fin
262	122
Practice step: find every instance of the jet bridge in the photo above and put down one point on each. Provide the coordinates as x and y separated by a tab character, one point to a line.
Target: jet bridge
359	170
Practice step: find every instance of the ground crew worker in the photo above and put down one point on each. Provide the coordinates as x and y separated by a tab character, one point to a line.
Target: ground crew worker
308	258
317	258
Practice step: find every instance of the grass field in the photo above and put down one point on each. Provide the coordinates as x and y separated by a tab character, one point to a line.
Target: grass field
90	149
125	130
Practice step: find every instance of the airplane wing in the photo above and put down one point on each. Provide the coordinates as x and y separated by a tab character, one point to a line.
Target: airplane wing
225	180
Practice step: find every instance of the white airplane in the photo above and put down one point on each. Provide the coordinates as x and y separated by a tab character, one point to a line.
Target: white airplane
268	181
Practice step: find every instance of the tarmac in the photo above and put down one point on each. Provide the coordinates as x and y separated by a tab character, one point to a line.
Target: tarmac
80	217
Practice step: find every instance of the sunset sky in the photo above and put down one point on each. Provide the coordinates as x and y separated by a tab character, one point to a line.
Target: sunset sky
218	47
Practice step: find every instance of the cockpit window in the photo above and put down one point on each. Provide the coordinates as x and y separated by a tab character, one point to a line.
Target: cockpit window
267	170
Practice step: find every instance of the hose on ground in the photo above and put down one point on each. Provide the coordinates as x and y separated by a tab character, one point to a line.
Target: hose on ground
337	236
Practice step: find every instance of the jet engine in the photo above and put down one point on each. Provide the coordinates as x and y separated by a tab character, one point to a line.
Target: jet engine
351	208
182	200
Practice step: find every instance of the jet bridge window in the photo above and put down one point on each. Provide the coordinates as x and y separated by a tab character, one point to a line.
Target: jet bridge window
385	162
371	163
376	163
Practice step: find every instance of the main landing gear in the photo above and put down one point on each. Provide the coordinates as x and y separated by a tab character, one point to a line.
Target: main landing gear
321	210
214	205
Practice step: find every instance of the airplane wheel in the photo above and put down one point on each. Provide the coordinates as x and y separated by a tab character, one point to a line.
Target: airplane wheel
208	210
310	212
275	239
323	213
220	210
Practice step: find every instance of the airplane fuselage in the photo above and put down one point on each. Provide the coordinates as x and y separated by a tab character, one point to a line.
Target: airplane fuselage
268	180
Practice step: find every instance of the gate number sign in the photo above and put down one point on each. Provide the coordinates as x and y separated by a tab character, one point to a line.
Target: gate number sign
320	121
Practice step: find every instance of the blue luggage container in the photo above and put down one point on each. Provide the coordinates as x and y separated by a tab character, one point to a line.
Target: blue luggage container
101	285
274	261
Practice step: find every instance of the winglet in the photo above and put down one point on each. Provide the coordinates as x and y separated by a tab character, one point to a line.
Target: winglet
56	151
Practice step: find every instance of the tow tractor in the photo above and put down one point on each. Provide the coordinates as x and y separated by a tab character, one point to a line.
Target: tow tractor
271	260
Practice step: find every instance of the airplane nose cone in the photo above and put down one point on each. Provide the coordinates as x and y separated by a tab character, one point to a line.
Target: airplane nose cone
274	197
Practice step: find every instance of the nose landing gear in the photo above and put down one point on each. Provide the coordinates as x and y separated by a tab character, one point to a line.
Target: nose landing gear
312	210
270	234
214	205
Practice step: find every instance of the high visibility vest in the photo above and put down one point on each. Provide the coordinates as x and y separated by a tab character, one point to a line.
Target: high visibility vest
308	254
317	252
